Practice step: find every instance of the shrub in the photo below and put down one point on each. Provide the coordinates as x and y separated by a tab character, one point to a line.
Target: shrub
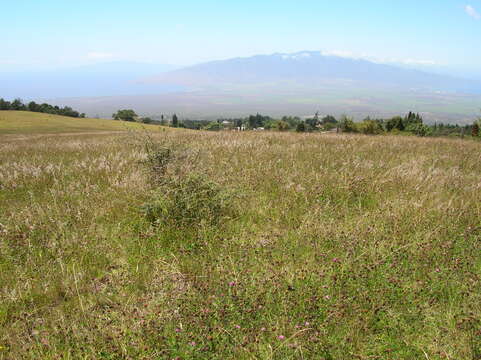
282	125
419	129
371	127
213	126
301	127
189	200
475	130
347	124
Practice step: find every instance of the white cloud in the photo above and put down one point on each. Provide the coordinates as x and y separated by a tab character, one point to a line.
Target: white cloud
419	62
94	55
471	11
351	55
340	53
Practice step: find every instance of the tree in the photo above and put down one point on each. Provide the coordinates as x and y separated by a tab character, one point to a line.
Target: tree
395	123
329	119
17	104
175	121
213	126
312	123
238	124
4	105
282	125
301	127
371	127
125	115
347	124
475	129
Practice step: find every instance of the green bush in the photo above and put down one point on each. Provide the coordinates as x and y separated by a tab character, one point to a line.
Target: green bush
348	125
419	129
301	127
213	126
190	200
370	127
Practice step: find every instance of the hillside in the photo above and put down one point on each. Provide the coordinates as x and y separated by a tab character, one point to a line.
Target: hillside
25	122
228	245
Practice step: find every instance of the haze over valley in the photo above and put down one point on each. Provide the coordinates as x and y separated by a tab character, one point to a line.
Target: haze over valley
298	83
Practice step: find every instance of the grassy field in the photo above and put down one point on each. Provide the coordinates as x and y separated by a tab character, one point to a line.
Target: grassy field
311	246
25	122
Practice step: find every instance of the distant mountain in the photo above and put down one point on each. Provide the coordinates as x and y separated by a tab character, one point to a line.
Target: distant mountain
279	84
103	79
309	70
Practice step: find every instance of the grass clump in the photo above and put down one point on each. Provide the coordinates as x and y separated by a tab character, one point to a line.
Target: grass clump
182	196
189	200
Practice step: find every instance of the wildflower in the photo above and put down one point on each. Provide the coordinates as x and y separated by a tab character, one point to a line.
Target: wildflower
263	329
178	330
193	343
307	323
237	327
335	260
232	283
281	337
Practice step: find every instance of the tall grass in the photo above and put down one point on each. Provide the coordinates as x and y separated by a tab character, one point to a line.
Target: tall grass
342	247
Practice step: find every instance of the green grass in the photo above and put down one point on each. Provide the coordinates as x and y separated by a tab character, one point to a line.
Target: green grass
339	247
25	122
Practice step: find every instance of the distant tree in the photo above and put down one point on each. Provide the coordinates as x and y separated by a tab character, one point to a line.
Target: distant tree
419	129
475	129
33	106
370	127
17	104
175	121
257	121
162	120
125	115
347	124
282	125
5	105
301	127
213	126
329	119
238	124
293	121
312	123
395	123
252	122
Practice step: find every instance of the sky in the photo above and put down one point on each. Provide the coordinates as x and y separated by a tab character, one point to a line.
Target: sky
63	33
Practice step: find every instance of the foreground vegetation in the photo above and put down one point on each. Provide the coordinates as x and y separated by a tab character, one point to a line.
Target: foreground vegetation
239	245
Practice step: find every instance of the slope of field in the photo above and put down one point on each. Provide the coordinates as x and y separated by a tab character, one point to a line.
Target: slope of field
334	247
25	122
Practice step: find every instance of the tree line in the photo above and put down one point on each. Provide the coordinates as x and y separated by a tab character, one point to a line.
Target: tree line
18	105
411	123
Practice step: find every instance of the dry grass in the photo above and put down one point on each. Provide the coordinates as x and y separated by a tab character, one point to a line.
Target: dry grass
344	247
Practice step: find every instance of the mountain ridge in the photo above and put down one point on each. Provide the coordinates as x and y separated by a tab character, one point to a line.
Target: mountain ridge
309	69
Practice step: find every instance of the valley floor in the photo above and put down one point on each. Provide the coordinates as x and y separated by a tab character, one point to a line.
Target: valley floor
333	247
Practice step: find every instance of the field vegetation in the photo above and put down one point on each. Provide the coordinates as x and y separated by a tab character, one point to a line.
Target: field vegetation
25	122
178	244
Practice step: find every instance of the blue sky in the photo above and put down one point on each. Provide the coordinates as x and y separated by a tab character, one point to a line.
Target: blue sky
69	33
